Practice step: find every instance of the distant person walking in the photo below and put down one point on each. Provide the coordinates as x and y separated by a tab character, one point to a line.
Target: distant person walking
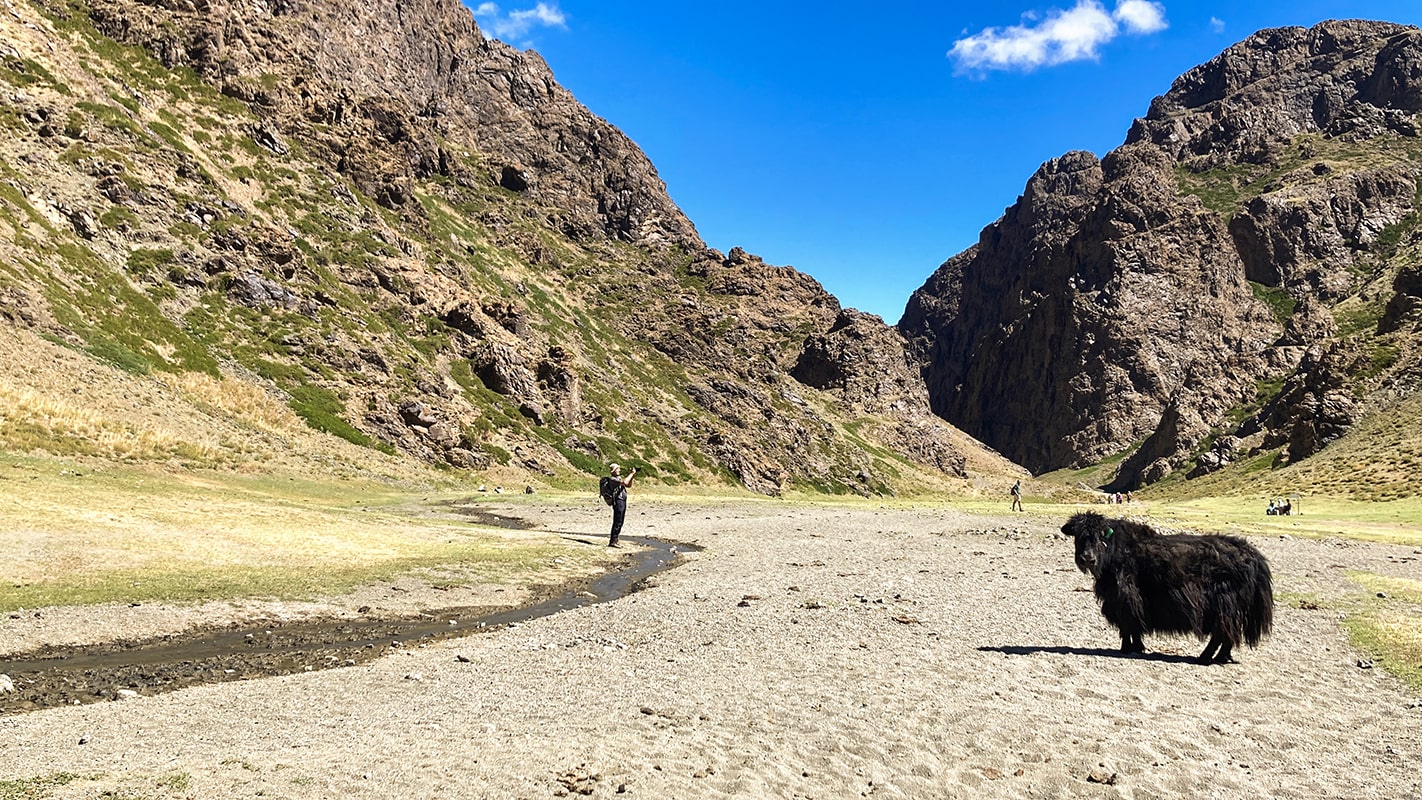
1017	497
619	501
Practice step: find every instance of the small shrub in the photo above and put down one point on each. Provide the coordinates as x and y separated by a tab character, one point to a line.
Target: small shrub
499	454
27	788
118	218
120	356
1278	300
322	409
142	261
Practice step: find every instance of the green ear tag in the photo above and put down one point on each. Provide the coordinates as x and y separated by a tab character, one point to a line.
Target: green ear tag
1110	531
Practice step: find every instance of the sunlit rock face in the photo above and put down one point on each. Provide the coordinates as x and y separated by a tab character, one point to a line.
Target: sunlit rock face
1133	305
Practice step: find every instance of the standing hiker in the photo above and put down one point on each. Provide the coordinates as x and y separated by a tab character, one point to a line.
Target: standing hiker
618	491
1017	496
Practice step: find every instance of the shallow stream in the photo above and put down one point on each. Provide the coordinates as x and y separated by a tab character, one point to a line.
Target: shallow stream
89	673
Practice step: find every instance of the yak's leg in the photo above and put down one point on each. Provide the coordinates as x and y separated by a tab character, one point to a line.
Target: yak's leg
1223	656
1129	613
1217	641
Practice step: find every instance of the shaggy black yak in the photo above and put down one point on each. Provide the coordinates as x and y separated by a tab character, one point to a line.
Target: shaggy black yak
1215	586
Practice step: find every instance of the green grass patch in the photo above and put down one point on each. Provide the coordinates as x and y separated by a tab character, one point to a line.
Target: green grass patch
18	74
177	582
322	410
145	261
1279	302
1389	627
118	218
579	460
1226	189
499	412
35	788
26	73
1357	315
119	323
1381	357
1265	390
1390	238
119	119
176	782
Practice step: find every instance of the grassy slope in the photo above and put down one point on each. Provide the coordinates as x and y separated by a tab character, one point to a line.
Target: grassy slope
1380	457
1368	479
123	488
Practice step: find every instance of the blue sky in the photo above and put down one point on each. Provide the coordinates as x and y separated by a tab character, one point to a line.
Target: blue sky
863	143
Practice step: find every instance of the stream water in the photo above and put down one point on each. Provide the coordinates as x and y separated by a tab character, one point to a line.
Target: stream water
90	673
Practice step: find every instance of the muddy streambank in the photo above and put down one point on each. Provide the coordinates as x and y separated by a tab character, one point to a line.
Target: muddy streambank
61	676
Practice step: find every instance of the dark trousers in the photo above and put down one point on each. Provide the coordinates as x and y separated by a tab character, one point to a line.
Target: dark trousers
619	513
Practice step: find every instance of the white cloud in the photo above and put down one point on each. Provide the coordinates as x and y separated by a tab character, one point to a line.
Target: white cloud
1141	16
517	24
1058	37
1217	25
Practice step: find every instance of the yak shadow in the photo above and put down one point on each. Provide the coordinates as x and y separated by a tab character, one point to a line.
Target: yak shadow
1027	650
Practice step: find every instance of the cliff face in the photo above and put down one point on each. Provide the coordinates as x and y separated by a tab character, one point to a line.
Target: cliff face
423	244
1142	305
396	91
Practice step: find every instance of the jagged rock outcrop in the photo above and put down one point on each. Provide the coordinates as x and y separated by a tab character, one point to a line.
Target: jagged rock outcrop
867	364
1255	99
775	432
1307	236
1404	309
1111	310
1080	315
503	370
1314	407
384	91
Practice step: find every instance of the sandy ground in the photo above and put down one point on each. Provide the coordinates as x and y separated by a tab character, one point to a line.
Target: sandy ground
807	652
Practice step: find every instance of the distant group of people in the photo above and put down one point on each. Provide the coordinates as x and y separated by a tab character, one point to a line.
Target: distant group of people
1280	508
1113	498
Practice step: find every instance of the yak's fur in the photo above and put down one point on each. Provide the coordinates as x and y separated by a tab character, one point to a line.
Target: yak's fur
1215	586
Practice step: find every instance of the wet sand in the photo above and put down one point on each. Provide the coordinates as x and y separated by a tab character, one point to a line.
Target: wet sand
805	652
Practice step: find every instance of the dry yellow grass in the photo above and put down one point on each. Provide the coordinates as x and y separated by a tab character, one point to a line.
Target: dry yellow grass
30	421
81	535
116	486
241	400
60	401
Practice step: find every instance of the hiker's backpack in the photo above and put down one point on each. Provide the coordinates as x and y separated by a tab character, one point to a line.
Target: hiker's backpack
607	487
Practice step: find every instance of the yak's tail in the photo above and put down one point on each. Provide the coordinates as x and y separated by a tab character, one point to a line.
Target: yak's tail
1259	616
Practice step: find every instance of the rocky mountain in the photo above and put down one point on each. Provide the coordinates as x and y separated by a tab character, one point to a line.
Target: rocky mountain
1238	280
421	243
